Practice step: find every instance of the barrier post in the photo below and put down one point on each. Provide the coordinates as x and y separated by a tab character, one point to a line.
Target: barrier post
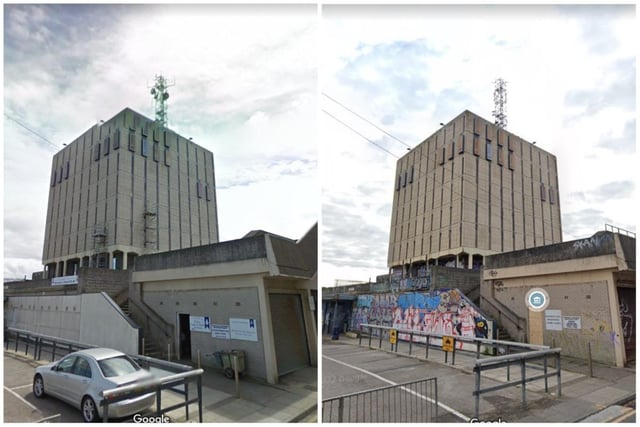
236	373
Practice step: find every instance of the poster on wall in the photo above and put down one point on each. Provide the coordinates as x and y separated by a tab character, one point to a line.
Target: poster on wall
199	324
221	332
572	322
244	329
553	320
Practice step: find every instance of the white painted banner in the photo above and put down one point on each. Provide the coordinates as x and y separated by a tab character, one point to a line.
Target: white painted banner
199	324
572	322
553	320
244	329
64	280
221	331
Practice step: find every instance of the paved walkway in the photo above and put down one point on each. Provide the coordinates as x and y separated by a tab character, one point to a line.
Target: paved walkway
582	395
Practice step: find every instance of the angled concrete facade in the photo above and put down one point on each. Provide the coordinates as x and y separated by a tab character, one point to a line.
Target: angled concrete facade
591	287
470	190
124	188
266	280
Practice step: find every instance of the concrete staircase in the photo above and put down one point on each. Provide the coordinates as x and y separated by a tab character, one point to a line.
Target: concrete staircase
149	348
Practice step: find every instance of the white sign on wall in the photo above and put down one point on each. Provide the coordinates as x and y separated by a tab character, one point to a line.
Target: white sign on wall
221	331
244	329
572	322
553	320
64	280
199	324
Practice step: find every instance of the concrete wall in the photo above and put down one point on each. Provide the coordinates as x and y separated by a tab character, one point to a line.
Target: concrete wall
87	318
219	298
507	203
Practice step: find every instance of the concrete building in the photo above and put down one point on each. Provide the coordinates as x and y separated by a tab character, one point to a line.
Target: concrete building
124	188
590	285
471	190
257	294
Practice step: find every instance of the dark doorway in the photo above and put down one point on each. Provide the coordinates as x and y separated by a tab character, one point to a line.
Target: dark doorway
185	336
290	337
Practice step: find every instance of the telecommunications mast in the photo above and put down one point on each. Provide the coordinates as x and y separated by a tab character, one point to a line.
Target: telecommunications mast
500	101
160	96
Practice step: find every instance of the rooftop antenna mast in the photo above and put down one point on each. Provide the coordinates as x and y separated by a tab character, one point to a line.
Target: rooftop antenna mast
500	101
160	96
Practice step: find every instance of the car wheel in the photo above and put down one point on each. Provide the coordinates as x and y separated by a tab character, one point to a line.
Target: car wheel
38	386
89	410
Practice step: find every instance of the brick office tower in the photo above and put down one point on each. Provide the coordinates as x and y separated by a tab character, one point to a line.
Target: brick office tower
469	190
124	188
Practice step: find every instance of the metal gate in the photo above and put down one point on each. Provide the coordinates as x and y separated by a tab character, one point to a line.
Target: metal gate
411	402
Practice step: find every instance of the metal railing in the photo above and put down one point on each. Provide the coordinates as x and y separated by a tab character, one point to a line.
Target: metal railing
520	359
38	342
479	345
171	382
177	383
415	401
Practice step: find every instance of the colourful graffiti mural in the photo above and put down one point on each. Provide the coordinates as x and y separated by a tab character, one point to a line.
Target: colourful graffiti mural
444	312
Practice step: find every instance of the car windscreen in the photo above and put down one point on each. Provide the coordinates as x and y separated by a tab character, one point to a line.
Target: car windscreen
116	366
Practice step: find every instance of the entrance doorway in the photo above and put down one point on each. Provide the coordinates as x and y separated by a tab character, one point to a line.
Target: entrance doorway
184	331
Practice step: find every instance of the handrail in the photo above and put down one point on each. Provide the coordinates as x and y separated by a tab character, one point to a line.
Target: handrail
460	337
117	308
166	327
156	385
520	322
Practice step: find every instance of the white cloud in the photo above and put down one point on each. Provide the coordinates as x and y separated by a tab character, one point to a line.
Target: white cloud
245	88
568	89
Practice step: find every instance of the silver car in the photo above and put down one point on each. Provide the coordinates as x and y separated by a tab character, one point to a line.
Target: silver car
79	379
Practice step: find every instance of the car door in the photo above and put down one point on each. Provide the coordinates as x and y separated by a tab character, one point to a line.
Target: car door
56	382
79	379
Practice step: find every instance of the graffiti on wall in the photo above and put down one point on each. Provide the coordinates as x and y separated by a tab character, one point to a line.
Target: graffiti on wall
443	311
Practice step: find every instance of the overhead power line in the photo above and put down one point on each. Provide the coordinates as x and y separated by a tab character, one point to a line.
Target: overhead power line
358	133
366	120
19	123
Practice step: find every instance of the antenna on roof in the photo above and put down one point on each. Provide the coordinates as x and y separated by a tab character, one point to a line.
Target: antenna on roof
500	100
160	96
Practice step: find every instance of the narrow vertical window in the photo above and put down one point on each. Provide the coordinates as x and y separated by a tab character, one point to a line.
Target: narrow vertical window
208	192
489	150
156	153
96	152
54	177
543	193
452	149
167	158
500	155
156	134
144	147
461	144
411	175
404	179
199	189
132	141
105	146
476	145
552	196
512	160
60	172
66	170
399	183
116	139
443	154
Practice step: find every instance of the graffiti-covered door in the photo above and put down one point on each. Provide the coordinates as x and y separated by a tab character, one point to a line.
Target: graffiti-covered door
627	299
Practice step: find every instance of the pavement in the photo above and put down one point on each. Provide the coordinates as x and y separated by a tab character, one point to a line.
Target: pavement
604	397
294	399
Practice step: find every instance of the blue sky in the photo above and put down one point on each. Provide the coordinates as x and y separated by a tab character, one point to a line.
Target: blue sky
245	88
570	75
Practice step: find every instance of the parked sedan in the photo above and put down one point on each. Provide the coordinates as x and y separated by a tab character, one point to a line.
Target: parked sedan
79	379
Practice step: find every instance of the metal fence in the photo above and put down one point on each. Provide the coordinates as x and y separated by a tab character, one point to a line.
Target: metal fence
411	402
179	382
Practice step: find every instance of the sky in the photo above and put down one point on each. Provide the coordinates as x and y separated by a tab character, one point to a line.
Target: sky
245	88
570	75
